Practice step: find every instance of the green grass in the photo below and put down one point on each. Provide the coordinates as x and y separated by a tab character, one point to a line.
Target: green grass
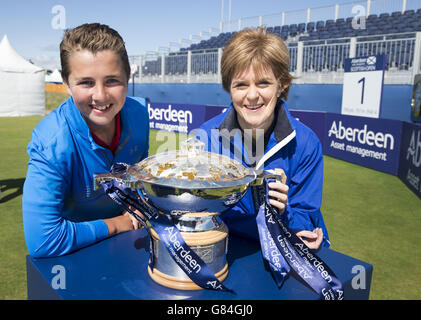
374	217
371	216
54	99
15	133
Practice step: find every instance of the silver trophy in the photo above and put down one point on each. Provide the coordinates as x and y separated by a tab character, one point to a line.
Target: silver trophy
192	187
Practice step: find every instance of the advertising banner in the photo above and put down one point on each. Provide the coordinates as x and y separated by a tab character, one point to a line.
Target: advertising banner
372	143
410	158
181	118
363	86
174	117
212	111
315	120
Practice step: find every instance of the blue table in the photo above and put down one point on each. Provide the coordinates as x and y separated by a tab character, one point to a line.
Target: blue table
116	268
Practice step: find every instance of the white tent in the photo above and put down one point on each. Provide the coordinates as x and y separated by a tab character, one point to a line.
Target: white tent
54	77
22	86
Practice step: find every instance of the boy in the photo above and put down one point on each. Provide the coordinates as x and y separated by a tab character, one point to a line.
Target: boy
93	129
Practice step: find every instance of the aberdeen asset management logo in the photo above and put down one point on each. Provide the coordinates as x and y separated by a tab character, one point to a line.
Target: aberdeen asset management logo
414	149
362	136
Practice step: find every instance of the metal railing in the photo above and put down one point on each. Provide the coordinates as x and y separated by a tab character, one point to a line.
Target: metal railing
317	61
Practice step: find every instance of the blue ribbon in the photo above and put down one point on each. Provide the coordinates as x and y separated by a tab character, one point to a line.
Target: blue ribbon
283	251
195	268
277	264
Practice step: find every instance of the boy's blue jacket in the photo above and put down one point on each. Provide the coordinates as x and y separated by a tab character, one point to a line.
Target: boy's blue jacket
293	147
61	210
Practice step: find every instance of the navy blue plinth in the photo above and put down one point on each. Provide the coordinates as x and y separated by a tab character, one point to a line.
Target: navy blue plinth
116	268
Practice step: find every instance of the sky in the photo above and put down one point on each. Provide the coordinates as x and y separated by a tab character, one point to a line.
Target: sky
35	27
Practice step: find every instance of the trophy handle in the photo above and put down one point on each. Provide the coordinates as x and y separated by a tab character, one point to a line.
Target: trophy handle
268	174
104	177
122	175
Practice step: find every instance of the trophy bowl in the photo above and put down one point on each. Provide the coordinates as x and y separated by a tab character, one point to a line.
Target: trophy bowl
191	187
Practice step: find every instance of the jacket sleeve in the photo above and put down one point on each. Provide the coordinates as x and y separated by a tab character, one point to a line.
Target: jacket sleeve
47	232
305	193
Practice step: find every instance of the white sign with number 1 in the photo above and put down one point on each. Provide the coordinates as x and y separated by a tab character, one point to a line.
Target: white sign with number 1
363	86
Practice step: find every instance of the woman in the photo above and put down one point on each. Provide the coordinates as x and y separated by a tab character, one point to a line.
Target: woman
255	73
93	129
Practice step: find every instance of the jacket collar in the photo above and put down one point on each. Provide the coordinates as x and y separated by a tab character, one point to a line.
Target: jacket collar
75	120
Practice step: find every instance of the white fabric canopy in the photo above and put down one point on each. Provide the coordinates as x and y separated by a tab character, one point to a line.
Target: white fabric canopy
22	86
54	77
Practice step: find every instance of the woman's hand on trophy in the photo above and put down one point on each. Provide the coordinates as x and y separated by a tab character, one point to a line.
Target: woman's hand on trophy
278	192
311	239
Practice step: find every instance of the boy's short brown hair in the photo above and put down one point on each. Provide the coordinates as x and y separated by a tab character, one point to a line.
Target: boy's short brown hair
94	37
259	49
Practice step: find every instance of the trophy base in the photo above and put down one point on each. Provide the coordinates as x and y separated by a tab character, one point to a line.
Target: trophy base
207	236
181	284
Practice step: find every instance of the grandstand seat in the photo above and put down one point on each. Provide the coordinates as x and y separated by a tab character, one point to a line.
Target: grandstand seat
284	36
310	26
313	35
372	17
329	22
383	16
293	27
409	13
304	38
396	14
324	35
373	31
285	27
320	25
348	21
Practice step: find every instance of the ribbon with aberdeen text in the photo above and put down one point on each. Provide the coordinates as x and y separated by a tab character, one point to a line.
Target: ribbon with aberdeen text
283	250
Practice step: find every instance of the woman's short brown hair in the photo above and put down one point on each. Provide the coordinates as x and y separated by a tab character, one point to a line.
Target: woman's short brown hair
94	37
255	47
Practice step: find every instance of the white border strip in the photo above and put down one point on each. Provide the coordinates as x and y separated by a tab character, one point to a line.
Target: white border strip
275	149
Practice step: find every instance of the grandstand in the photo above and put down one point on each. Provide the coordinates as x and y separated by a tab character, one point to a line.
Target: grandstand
317	47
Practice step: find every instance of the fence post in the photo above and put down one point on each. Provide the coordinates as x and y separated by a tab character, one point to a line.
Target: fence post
162	68
219	65
416	64
308	19
368	7
352	47
283	19
403	6
189	66
336	11
140	69
300	52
